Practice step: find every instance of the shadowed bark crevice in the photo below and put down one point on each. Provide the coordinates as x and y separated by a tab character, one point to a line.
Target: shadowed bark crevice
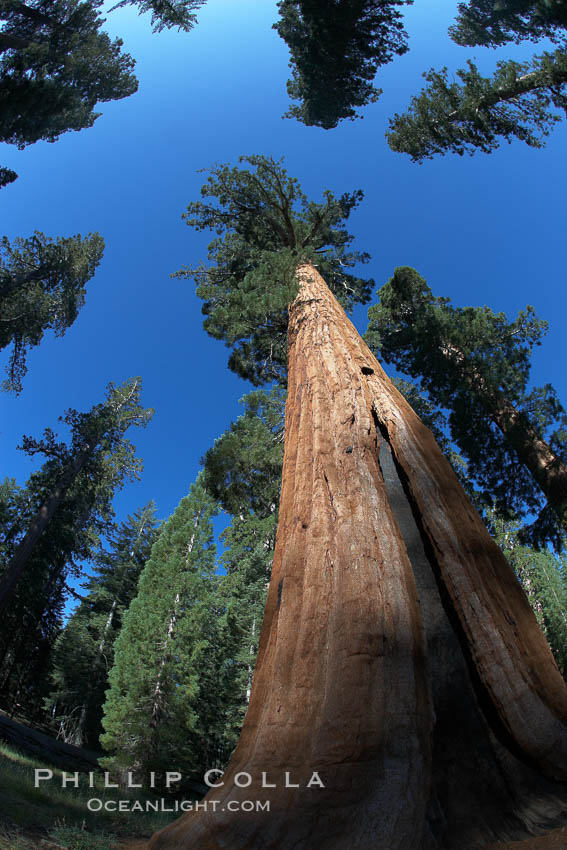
471	770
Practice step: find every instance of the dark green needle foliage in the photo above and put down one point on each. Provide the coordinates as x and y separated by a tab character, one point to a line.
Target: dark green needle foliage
490	23
53	524
79	477
166	653
55	66
520	101
265	228
167	14
42	287
243	471
336	49
476	363
243	468
543	576
84	651
7	176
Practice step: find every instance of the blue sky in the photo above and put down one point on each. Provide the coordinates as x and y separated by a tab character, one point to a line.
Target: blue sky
482	230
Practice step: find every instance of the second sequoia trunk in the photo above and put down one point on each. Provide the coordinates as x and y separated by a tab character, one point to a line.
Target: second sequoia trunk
399	661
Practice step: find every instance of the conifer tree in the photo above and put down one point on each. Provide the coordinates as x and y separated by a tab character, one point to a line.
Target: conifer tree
336	49
243	472
42	287
166	14
55	66
162	654
485	22
84	651
476	364
73	491
521	100
544	578
364	669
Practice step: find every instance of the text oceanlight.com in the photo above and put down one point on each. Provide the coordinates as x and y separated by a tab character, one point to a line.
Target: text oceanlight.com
96	805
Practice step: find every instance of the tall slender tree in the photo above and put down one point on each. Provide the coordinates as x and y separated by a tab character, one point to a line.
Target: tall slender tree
162	654
476	364
42	287
336	50
79	478
396	642
84	650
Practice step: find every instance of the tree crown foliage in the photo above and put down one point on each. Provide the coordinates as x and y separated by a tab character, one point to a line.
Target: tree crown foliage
243	468
55	66
464	358
518	101
84	650
42	287
266	227
490	23
167	14
336	49
98	447
161	654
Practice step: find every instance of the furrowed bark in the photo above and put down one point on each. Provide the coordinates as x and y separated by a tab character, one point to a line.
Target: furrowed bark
340	686
507	647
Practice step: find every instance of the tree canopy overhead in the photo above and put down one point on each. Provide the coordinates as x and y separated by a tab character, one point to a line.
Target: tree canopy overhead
167	14
42	287
336	49
55	66
520	100
266	227
476	363
489	23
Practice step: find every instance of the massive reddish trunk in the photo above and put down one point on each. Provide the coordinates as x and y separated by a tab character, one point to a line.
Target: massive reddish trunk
343	685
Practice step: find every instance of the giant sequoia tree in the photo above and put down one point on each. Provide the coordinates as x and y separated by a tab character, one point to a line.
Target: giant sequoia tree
399	658
476	364
336	49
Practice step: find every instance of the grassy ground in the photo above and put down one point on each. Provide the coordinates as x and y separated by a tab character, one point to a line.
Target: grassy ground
51	816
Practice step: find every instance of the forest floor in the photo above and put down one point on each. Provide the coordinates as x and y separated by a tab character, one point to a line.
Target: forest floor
52	818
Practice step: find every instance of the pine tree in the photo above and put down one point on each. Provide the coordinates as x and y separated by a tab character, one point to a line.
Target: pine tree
75	487
485	22
84	651
61	512
476	364
364	668
42	287
55	66
521	100
544	579
243	472
151	720
166	14
336	50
